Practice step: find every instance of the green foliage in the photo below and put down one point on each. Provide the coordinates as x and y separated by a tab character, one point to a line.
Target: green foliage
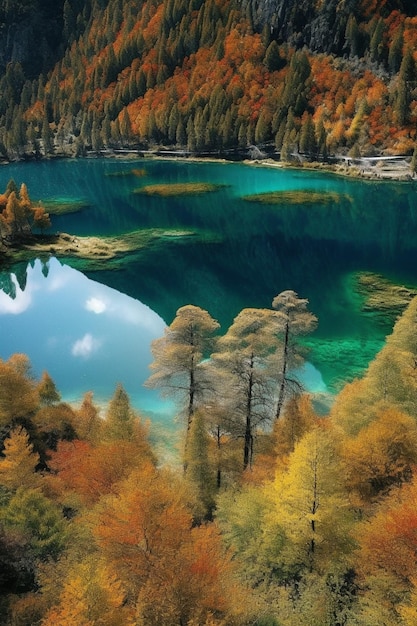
120	418
38	522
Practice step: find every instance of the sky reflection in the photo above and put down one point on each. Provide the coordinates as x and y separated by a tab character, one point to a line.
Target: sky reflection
86	335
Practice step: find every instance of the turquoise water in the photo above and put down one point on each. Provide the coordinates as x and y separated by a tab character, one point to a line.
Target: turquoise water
241	255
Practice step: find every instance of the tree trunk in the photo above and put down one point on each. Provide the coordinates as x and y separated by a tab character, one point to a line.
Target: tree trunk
281	393
248	446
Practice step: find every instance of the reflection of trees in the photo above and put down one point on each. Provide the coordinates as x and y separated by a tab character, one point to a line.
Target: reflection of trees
18	277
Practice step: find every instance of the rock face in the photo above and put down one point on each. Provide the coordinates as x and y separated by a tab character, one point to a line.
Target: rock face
30	33
320	25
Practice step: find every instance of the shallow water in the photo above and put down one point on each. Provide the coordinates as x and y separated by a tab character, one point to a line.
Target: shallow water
241	255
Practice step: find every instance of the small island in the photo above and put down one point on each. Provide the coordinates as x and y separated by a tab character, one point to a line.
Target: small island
62	206
177	189
297	196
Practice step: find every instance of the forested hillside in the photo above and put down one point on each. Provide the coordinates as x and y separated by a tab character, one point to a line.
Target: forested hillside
214	75
304	519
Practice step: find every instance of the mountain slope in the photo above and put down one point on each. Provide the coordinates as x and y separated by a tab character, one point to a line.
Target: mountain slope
302	76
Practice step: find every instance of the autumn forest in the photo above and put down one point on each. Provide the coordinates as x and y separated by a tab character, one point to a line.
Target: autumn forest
262	509
213	76
267	512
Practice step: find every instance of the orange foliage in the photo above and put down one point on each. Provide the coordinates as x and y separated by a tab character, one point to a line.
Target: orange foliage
389	540
91	471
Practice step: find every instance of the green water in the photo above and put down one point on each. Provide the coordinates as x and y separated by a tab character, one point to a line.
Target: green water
242	253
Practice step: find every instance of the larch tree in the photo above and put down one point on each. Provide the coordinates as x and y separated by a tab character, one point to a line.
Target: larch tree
87	422
311	505
178	357
120	418
298	418
19	462
200	470
293	320
243	377
48	393
18	395
382	456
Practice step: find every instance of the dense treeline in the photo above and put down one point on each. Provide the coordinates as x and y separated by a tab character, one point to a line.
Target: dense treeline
214	75
319	527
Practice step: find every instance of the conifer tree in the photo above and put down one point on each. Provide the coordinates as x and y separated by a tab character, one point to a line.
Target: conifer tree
120	417
19	462
308	142
242	374
178	356
293	319
48	393
406	79
200	474
396	51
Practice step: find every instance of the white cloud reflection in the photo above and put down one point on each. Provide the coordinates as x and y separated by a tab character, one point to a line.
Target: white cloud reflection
95	305
125	309
85	346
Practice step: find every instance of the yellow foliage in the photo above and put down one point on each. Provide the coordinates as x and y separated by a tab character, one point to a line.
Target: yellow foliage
310	503
17	467
381	455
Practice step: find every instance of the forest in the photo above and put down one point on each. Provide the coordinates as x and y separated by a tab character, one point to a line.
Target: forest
212	76
267	512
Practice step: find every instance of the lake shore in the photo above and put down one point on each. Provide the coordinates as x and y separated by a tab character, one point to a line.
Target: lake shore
395	168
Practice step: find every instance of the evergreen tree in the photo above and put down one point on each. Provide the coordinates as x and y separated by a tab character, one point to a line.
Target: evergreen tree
262	128
406	80
376	45
396	51
48	393
272	59
120	417
308	143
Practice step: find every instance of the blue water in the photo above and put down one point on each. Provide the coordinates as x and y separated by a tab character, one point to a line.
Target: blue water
90	326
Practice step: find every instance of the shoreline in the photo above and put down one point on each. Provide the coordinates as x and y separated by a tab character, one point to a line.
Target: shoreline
383	168
394	168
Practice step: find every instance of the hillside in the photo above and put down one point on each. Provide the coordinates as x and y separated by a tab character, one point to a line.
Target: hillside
214	75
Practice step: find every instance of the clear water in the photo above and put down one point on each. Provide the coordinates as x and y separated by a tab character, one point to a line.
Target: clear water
91	326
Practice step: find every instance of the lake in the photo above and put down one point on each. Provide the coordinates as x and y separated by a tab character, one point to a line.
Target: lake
90	324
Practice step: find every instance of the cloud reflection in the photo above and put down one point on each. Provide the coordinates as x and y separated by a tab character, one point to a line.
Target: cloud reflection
95	305
85	346
86	335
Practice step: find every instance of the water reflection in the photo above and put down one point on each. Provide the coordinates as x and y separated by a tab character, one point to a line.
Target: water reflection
245	252
86	335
